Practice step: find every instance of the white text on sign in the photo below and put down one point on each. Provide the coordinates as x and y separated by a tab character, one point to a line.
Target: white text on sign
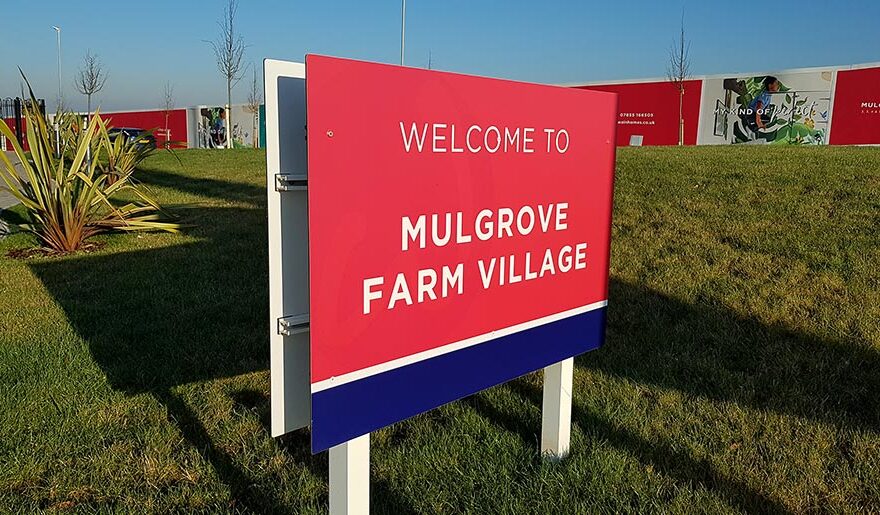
441	138
430	284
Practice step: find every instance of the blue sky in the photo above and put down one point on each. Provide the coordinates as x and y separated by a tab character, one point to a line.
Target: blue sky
143	45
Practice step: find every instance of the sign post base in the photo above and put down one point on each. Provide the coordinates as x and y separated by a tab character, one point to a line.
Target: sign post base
350	477
556	410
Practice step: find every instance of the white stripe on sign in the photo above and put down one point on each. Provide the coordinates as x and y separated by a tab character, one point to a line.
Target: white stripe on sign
450	347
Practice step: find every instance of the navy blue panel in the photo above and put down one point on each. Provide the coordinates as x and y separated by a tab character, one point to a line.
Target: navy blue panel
353	409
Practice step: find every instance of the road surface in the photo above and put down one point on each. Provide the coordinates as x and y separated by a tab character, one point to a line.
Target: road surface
6	198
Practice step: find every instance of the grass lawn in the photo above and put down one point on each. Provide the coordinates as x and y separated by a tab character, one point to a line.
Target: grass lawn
741	371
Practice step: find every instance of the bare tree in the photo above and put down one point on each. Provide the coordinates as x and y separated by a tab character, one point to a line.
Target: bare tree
229	50
255	98
678	71
91	78
167	108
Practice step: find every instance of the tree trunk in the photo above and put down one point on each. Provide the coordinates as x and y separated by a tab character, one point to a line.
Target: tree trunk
228	114
681	116
88	120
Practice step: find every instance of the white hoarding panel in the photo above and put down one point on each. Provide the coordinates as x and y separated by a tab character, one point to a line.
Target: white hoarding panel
793	109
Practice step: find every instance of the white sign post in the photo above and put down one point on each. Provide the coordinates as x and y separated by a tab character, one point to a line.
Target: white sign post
350	477
556	409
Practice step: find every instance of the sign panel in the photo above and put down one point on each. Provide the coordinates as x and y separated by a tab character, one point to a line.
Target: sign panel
857	107
792	110
649	112
459	232
170	129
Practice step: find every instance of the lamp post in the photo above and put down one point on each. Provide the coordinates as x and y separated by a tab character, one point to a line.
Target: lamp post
58	109
402	29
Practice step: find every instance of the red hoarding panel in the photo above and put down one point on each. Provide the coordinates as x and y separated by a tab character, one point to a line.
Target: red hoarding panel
10	122
153	120
458	236
855	119
650	110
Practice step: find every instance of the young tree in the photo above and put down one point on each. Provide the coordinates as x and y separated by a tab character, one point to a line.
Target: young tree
91	78
229	50
255	98
678	71
167	107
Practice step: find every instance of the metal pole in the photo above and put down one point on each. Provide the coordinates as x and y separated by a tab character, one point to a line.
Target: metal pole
58	30
58	108
402	29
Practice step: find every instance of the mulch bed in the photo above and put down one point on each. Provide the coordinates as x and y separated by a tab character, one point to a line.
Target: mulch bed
44	252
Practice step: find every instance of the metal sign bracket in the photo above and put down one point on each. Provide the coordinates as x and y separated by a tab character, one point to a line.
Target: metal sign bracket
293	324
291	182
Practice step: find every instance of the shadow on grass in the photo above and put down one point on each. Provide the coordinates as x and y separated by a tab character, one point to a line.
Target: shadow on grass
663	457
160	318
12	216
164	317
297	445
711	352
205	187
241	484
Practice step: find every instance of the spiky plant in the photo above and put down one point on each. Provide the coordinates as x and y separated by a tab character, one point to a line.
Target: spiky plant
70	127
121	155
70	198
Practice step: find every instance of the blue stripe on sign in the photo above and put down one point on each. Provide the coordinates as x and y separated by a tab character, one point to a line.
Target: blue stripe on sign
350	410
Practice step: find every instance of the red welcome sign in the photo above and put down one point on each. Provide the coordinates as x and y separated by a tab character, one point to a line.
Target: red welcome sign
459	232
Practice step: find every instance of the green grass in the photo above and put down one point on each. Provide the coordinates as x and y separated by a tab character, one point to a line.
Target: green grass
741	371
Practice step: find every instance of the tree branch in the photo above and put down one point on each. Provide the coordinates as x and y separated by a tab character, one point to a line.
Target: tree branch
91	77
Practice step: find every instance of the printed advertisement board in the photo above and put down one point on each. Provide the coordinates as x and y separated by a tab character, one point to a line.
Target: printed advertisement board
791	108
212	128
649	112
459	232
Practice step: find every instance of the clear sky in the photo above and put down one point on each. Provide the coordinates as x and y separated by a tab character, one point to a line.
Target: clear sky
145	44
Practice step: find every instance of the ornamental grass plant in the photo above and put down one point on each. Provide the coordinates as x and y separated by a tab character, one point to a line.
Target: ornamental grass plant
81	184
